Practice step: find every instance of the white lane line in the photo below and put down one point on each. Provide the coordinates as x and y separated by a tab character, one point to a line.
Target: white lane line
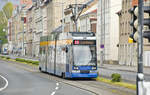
57	84
5	84
56	88
53	93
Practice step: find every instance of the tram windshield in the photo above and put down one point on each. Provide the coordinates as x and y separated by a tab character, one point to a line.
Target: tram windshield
84	55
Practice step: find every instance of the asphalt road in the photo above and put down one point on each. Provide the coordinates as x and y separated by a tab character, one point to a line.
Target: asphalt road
2	82
24	82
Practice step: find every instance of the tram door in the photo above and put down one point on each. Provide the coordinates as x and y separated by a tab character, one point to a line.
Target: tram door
43	59
55	52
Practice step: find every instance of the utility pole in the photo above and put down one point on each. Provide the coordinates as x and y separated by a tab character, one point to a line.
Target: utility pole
76	13
62	16
140	75
102	36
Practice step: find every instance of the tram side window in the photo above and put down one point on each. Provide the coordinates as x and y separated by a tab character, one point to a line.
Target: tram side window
44	50
40	50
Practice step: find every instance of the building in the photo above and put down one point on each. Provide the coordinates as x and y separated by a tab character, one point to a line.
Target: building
86	16
9	35
108	31
56	12
29	33
88	19
127	51
16	29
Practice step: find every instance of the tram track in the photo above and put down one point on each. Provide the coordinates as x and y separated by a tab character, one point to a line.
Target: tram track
92	86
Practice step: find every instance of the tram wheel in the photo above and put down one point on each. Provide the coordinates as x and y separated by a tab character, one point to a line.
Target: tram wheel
40	69
63	75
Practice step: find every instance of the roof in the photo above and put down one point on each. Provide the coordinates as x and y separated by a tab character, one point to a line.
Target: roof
92	8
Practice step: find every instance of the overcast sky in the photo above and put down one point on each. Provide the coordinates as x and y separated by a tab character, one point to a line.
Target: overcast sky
3	2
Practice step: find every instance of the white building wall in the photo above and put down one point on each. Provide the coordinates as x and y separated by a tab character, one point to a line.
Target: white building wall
44	20
108	29
85	24
115	6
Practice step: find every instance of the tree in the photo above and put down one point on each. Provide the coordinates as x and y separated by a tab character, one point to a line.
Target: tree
8	9
5	14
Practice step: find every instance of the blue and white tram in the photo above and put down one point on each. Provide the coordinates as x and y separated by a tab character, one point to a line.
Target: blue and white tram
70	55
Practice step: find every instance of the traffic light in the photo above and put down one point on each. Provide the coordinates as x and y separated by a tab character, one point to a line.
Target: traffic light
146	23
134	24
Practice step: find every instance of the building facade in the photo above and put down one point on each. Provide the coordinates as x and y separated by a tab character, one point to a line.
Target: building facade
108	31
29	33
128	51
88	19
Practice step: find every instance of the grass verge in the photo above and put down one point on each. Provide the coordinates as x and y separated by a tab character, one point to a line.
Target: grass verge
30	62
27	61
122	84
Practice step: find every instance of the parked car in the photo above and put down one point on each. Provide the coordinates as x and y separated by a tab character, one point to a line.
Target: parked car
5	53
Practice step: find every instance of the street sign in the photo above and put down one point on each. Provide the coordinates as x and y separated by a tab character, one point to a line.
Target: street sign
102	46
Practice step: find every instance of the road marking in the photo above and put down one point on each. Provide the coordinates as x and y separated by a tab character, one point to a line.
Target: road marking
57	84
53	93
56	88
5	84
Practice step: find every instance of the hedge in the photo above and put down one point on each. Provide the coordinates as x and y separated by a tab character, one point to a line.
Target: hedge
116	77
27	61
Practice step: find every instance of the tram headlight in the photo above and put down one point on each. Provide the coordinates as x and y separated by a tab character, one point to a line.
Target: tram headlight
75	68
93	68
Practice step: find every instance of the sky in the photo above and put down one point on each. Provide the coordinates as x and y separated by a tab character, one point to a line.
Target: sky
3	2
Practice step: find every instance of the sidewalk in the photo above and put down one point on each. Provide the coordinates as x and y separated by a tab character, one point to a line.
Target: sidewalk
146	70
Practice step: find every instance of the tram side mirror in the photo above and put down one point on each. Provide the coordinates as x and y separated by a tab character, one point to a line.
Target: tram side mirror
66	49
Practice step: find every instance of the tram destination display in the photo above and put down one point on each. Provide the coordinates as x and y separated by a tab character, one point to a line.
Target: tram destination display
84	42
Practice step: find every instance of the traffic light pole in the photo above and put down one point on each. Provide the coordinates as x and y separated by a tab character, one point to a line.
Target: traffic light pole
140	75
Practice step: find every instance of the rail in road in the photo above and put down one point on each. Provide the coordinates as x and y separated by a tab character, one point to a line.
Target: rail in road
96	87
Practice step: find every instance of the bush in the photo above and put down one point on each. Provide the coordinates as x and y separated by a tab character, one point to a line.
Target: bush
7	57
2	56
28	61
116	77
35	62
20	60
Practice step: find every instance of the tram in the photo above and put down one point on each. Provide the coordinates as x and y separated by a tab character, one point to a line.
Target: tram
69	54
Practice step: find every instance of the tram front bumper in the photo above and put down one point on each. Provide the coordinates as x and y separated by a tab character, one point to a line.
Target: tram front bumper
82	75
